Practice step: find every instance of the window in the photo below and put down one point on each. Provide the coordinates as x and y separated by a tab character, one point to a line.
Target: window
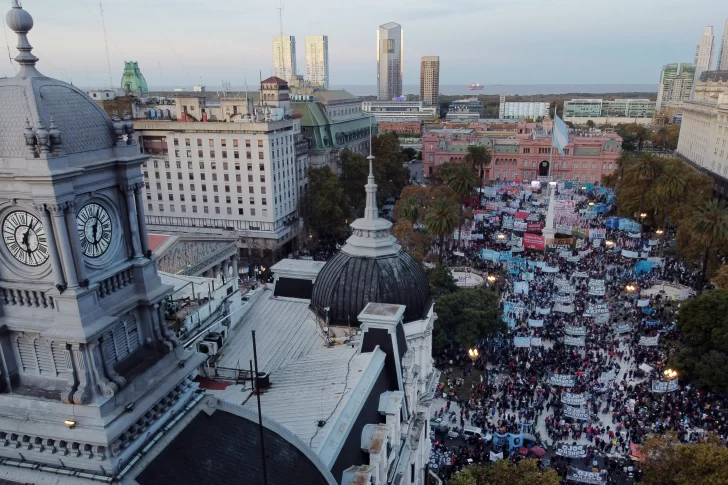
224	154
169	186
193	197
247	143
252	200
149	196
229	210
189	165
176	153
264	201
189	153
214	177
240	190
212	153
202	176
216	199
252	211
166	164
199	142
176	142
204	187
237	177
250	178
262	178
187	142
260	143
161	207
248	155
171	208
262	190
211	142
194	209
240	212
236	156
227	188
146	175
260	156
149	207
205	209
261	167
169	175
200	154
179	175
171	197
184	208
214	188
250	167
225	166
251	189
235	143
217	210
223	143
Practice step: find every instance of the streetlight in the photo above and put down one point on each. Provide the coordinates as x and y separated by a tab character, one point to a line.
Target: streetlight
670	374
491	279
630	288
609	244
643	215
659	232
501	237
591	204
473	353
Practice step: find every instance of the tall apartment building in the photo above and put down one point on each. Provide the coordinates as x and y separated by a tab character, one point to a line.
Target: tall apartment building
389	61
284	57
238	179
704	129
430	80
522	110
317	60
676	82
703	55
723	55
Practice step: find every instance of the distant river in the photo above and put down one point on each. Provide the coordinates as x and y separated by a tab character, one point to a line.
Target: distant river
512	89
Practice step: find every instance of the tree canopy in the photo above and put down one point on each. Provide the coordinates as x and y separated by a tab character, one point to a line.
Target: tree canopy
668	462
503	472
703	355
466	316
441	281
326	206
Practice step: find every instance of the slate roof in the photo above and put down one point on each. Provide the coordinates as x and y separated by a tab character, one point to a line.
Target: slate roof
276	80
285	332
347	283
224	449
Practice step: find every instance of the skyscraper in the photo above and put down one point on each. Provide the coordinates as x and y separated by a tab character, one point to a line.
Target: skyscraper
284	56
317	60
676	82
723	56
389	61
430	80
704	54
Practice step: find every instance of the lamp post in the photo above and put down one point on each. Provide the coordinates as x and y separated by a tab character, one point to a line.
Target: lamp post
669	375
473	354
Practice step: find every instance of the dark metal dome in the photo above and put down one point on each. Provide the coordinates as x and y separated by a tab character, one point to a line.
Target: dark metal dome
347	283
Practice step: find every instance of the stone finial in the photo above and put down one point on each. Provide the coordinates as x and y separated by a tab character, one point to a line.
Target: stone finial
54	135
118	128
30	139
42	136
21	23
128	128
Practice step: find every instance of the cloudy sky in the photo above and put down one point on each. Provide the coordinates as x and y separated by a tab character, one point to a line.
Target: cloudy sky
185	42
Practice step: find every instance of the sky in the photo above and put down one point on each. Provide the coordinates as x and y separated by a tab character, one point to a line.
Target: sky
187	42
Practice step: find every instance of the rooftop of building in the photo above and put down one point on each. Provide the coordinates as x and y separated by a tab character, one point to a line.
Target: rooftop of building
715	76
332	96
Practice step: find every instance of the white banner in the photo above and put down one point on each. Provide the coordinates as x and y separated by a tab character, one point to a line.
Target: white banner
564	299
550	269
574	399
630	254
575	331
622	328
563	380
521	287
564	308
575	341
522	341
643	302
594	309
576	413
536	342
496	456
664	386
607	377
649	341
596	287
543	311
535	323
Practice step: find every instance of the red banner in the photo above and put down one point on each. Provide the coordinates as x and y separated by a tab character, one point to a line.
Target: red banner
521	215
534	227
533	241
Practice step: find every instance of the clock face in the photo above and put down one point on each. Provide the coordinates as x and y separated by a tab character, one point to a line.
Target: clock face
25	238
94	230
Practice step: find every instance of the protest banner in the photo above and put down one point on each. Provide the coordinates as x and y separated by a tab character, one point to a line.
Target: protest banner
522	341
622	328
563	380
583	476
500	441
649	341
643	302
594	309
564	308
576	412
520	226
543	311
490	255
535	323
662	387
575	341
596	287
607	377
550	269
575	331
564	299
570	451
536	342
597	233
533	227
574	399
533	241
521	287
630	254
496	456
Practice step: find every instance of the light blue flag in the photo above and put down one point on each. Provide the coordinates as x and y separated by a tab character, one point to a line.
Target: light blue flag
561	135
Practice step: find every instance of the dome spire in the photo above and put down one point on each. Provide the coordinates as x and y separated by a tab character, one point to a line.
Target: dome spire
21	23
371	212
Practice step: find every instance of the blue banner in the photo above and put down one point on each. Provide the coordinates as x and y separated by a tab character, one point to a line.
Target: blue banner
490	255
647	311
500	441
515	441
612	223
504	256
643	267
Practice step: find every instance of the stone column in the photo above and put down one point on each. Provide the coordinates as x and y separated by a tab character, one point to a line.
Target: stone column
84	393
76	243
133	221
64	243
140	216
52	246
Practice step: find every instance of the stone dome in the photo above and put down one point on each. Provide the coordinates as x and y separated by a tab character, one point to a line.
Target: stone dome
30	96
371	267
347	283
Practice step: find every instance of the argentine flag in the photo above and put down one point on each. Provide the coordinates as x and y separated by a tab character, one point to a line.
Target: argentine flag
560	135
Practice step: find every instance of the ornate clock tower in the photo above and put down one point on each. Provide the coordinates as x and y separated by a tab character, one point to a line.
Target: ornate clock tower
88	369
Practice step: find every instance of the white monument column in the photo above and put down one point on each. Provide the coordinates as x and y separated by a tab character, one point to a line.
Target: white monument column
548	229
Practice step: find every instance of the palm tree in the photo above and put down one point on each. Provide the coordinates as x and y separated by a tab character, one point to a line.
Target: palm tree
623	160
479	156
671	187
710	225
411	210
646	168
462	182
441	221
444	171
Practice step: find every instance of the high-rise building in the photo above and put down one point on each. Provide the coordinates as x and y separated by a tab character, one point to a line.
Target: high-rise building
389	61
723	56
284	56
430	80
703	54
317	60
676	82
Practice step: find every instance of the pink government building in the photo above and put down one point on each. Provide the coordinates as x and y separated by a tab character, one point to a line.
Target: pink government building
520	150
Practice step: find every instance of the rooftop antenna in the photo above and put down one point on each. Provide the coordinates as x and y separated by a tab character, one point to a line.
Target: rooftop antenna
106	43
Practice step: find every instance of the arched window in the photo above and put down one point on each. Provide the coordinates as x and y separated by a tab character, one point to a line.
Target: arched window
525	164
604	165
594	165
533	164
563	164
611	166
576	165
585	165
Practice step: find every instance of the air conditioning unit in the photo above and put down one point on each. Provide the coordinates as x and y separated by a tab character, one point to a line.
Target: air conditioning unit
208	348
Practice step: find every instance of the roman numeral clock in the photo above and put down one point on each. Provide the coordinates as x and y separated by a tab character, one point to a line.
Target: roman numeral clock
94	230
25	238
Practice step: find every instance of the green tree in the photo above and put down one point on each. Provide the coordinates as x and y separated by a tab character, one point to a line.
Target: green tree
462	182
466	316
354	173
503	472
416	242
326	206
441	221
667	461
623	160
710	223
703	355
479	157
646	168
670	188
411	210
721	277
441	281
